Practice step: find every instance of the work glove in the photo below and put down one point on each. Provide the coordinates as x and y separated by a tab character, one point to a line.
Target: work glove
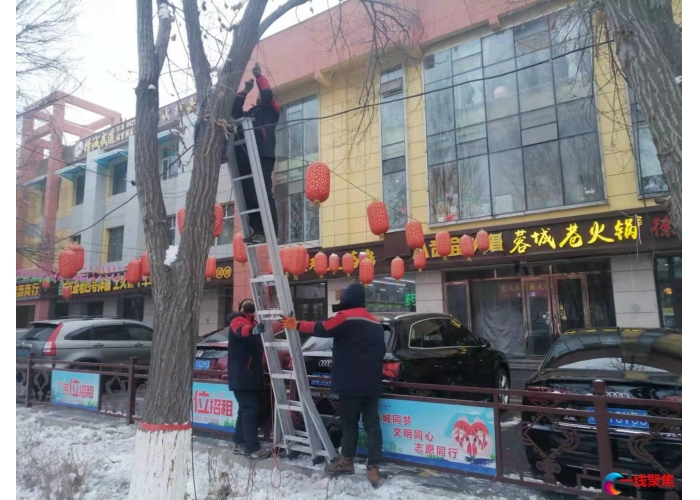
249	85
258	329
289	322
256	70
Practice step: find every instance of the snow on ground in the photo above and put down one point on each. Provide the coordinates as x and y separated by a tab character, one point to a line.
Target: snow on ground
91	463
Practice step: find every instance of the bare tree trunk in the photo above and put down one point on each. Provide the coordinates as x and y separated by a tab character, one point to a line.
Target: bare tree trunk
648	44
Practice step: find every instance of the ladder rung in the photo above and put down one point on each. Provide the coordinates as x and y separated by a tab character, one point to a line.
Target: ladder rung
298	439
277	344
270	312
265	278
290	406
301	433
255	245
252	211
285	375
243	177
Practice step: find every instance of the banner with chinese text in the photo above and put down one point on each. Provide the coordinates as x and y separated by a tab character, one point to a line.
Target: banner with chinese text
214	407
79	390
435	434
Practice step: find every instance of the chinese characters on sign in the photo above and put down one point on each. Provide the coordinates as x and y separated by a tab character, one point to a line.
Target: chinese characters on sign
75	389
495	245
27	290
355	258
662	227
213	407
104	285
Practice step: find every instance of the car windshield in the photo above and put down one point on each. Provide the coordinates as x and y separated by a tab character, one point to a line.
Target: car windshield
625	351
21	332
39	332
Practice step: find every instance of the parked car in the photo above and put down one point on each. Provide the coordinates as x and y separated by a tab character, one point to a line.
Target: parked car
634	364
90	339
425	348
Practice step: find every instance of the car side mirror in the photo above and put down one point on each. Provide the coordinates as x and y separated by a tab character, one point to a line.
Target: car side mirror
484	342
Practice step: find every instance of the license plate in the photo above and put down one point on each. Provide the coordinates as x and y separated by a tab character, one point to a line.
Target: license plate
22	353
623	422
202	364
320	383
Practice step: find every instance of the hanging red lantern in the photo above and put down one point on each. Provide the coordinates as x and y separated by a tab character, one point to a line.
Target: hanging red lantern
414	235
466	246
482	240
66	292
145	265
318	182
284	257
348	264
443	244
398	268
419	260
180	220
46	283
67	264
210	269
307	261
133	271
378	218
239	252
299	260
334	263
361	256
80	256
218	220
366	272
321	263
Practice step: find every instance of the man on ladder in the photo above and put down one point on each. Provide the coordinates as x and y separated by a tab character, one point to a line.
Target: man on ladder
265	115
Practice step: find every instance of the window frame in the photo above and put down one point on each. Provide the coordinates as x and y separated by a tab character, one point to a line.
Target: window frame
79	189
218	241
172	227
109	244
122	183
440	216
173	168
442	328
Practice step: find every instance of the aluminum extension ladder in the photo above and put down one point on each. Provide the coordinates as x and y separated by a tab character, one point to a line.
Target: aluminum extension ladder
270	308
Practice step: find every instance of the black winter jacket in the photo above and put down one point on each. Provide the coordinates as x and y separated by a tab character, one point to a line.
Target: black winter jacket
245	355
265	117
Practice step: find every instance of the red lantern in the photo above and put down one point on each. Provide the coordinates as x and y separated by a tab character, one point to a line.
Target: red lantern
443	244
378	218
218	220
239	252
419	260
210	270
46	283
145	265
414	235
80	256
334	263
366	272
66	292
307	261
398	268
299	261
133	271
482	240
361	256
67	264
348	264
318	182
320	263
466	246
180	220
284	257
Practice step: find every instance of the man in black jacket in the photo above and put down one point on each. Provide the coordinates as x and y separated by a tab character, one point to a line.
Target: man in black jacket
358	355
265	114
245	378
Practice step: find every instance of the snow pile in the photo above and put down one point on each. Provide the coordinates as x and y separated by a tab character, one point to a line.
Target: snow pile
96	463
163	12
170	255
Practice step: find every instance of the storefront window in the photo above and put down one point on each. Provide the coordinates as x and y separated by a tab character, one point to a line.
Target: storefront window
668	284
497	315
310	303
386	296
132	308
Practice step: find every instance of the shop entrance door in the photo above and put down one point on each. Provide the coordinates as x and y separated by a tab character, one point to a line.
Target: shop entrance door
538	315
569	306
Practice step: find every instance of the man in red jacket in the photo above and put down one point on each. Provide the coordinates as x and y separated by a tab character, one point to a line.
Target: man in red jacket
265	115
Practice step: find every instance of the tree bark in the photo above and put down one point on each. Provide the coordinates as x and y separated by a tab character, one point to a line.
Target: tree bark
648	44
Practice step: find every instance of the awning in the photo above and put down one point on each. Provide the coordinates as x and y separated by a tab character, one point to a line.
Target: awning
36	183
71	171
165	135
104	159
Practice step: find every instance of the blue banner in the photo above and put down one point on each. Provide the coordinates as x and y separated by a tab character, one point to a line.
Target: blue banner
79	390
435	434
214	407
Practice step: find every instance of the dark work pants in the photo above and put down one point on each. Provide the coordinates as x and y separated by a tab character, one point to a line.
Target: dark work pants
251	200
351	408
247	422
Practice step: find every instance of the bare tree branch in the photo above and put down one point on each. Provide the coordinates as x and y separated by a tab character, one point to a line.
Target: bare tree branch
279	12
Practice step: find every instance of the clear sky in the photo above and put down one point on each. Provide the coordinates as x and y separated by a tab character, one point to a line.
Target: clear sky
105	43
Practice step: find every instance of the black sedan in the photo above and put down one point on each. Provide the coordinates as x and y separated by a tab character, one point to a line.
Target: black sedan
634	364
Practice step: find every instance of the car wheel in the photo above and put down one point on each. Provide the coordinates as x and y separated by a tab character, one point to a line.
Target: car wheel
502	382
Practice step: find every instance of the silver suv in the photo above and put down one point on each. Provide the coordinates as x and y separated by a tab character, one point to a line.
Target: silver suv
93	339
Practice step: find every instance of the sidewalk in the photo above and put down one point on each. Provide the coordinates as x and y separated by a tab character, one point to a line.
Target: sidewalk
50	431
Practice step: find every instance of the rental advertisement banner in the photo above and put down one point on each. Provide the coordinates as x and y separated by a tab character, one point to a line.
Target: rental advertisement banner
442	435
214	407
80	390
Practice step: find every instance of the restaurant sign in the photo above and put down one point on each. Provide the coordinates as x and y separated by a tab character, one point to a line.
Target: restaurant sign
121	132
27	290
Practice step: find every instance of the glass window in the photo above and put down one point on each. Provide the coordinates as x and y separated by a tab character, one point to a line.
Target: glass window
460	336
428	334
110	333
297	147
132	308
226	236
171	230
115	244
75	239
141	333
386	297
497	314
119	177
79	189
394	195
169	161
95	308
533	128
